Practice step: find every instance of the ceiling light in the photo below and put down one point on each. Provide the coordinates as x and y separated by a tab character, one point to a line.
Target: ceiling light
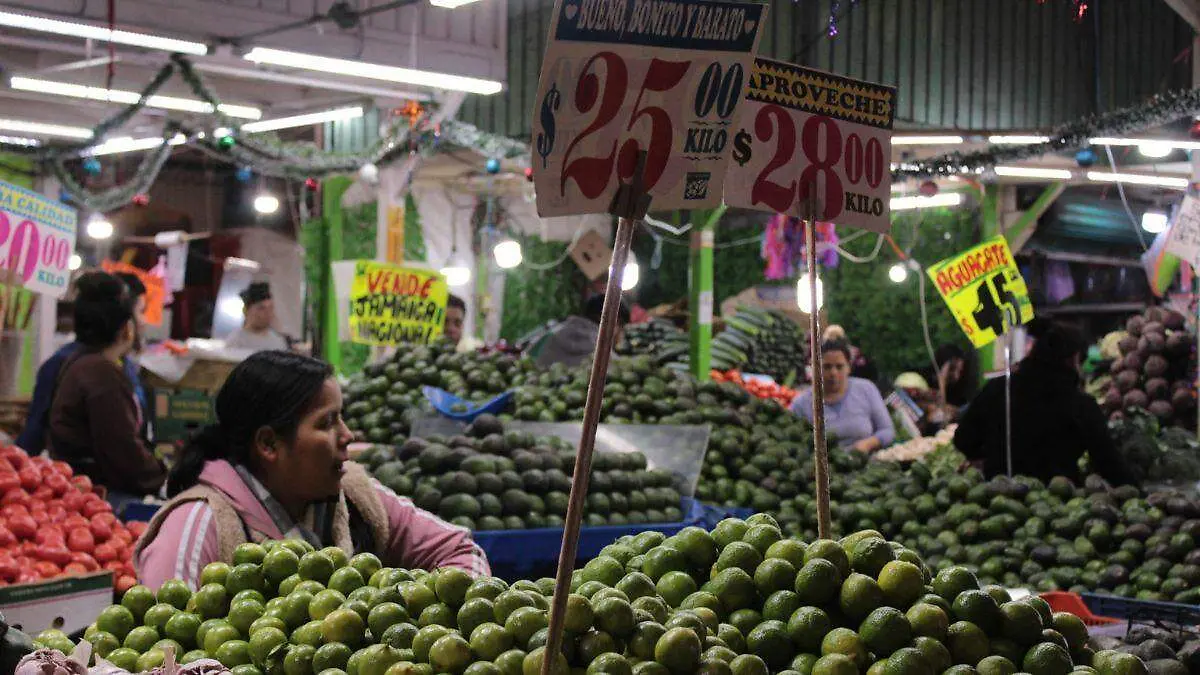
1033	172
926	140
450	4
129	97
1154	222
75	262
303	120
266	203
1155	149
507	254
98	228
1137	179
373	71
804	294
631	276
898	273
40	129
1017	140
124	144
918	202
90	32
221	132
1170	142
20	140
456	275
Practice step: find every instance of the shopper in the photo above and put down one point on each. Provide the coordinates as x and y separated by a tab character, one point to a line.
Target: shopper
951	377
275	465
574	340
453	326
1053	421
257	332
860	366
854	410
94	415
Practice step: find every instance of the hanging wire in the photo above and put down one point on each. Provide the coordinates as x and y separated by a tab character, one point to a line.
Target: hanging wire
1137	227
855	259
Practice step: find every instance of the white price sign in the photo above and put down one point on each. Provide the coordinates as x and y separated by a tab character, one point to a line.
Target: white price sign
1184	239
625	76
805	133
37	238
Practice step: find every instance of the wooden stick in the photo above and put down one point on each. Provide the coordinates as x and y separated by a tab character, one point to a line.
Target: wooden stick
820	450
629	204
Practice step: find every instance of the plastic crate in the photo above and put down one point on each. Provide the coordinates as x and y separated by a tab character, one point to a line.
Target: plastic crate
1142	610
1061	601
456	408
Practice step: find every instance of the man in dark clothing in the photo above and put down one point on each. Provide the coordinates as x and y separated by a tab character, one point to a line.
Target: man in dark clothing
1053	421
574	340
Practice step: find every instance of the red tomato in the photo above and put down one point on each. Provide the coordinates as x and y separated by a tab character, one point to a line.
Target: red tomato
9	481
105	553
22	525
43	493
6	466
9	510
101	530
57	483
7	538
113	565
15	496
121	536
125	583
82	482
94	506
137	528
55	553
62	468
81	539
16	457
73	500
89	563
56	512
28	577
46	569
9	568
75	520
74	568
31	477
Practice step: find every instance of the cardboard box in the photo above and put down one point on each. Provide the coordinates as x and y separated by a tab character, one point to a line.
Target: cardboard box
205	375
68	604
178	413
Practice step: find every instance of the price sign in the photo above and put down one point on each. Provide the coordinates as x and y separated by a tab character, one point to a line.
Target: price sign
391	304
807	133
624	76
37	238
984	290
1184	238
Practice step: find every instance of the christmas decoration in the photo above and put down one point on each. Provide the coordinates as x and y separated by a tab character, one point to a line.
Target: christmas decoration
141	199
311	184
413	110
1085	157
1194	131
529	174
91	166
243	174
492	166
226	142
928	188
369	173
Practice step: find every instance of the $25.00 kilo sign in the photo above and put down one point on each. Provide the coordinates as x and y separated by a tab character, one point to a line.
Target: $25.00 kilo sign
623	76
806	132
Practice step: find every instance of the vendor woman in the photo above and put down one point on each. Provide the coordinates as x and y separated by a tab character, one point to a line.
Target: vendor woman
275	466
854	410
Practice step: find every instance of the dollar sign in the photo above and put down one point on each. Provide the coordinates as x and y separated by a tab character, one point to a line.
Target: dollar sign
545	140
741	147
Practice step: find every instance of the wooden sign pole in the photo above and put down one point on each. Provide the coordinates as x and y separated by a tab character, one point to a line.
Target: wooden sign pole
820	449
629	205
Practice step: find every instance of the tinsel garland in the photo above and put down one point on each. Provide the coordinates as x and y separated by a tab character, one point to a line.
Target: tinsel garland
1158	110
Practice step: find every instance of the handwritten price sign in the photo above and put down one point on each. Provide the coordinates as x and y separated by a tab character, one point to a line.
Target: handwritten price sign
37	238
624	76
805	132
984	290
1183	240
391	305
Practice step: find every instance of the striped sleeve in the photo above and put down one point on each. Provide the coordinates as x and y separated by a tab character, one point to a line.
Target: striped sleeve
420	539
186	542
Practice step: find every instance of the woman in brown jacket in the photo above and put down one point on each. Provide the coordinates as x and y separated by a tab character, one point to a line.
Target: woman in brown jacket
94	416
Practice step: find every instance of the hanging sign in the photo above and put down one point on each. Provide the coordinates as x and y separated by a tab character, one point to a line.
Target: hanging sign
1183	241
156	289
806	132
391	304
624	76
37	238
984	290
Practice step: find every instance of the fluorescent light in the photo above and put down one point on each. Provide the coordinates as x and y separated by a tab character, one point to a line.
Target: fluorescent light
221	132
20	140
91	32
373	71
98	228
456	275
129	97
1155	149
124	144
266	203
1175	144
926	140
1137	179
40	129
450	4
1033	172
302	120
918	202
1017	140
1154	222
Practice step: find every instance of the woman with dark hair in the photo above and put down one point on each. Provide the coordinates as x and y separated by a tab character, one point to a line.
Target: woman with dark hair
94	415
1053	421
854	409
275	465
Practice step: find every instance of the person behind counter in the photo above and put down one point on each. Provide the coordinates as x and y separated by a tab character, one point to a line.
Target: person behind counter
574	340
1053	421
275	465
257	332
94	415
452	326
854	409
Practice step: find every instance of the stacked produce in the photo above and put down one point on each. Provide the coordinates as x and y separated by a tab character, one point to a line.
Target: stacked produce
657	339
53	523
1166	649
488	479
761	341
1155	453
1155	368
917	448
760	388
740	600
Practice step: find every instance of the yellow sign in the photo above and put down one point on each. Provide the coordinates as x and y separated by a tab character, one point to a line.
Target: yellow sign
391	304
984	290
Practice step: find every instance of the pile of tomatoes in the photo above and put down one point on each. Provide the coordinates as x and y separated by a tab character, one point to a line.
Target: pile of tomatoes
54	523
759	388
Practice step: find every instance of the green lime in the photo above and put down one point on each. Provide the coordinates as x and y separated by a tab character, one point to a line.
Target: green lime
532	664
218	635
884	631
679	650
194	655
450	654
289	584
1022	624
215	573
337	556
807	627
116	619
246	576
928	620
385	615
847	642
263	641
141	639
860	595
279	564
233	653
211	601
510	662
182	627
267	622
294	611
158	615
902	583
490	640
748	664
817	582
834	664
150	660
137	600
367	564
451	586
346	580
298	660
243	614
343	625
315	566
103	642
967	643
325	602
331	655
249	553
124	658
308	634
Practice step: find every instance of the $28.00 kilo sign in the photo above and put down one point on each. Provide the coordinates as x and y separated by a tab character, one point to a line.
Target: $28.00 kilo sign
806	132
623	76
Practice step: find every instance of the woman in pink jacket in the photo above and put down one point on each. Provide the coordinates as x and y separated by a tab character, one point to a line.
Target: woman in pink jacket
276	466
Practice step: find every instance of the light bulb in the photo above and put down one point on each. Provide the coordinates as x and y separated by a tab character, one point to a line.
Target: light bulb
98	228
629	280
266	202
232	306
803	299
75	263
456	275
507	254
221	132
898	273
1154	222
1154	150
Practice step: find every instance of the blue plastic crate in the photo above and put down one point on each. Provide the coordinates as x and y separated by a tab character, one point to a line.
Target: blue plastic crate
1141	610
445	403
139	511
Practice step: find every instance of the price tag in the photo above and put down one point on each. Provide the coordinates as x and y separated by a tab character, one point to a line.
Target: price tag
391	304
1184	238
984	290
806	132
624	76
37	238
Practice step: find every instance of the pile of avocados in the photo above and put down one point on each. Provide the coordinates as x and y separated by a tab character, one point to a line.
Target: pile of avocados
490	479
